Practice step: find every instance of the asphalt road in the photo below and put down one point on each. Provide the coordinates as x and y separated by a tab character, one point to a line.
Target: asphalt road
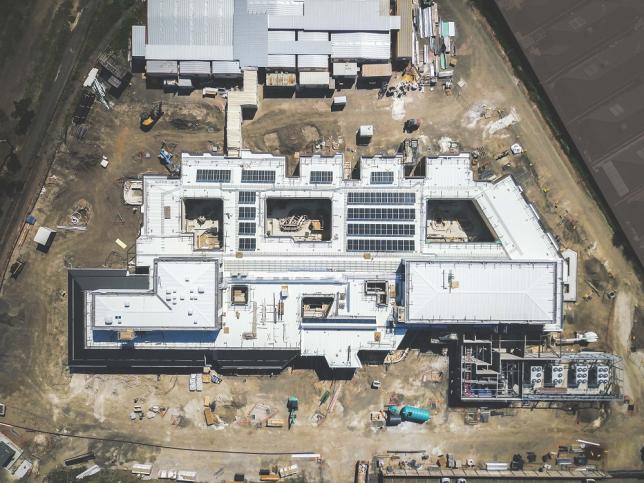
31	153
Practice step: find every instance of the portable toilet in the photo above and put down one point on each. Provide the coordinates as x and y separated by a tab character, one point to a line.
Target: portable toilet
366	131
338	103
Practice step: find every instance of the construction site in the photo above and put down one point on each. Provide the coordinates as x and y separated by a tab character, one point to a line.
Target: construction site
306	263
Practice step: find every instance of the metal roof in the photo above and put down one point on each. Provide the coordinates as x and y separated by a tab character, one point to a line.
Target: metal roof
190	29
299	47
470	291
225	67
404	36
138	40
161	67
312	61
314	78
281	60
312	36
337	15
276	7
360	45
376	70
192	67
587	56
250	36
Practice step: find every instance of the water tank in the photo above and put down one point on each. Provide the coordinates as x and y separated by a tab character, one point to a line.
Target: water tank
392	409
414	414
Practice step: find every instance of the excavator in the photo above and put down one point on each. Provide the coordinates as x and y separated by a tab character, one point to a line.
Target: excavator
150	118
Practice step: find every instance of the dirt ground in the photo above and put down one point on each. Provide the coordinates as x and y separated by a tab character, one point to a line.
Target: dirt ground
40	393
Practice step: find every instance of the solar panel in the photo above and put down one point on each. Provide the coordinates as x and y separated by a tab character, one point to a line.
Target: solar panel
321	177
390	214
247	244
371	245
213	175
247	228
246	212
247	197
382	177
258	176
380	198
380	229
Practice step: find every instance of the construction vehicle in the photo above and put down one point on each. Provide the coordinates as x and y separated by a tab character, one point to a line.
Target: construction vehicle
150	118
411	125
166	159
292	405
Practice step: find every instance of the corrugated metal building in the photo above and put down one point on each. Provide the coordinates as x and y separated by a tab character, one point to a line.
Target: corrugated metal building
261	34
138	40
360	45
405	35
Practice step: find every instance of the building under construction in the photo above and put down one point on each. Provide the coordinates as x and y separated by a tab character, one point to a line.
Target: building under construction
240	265
494	368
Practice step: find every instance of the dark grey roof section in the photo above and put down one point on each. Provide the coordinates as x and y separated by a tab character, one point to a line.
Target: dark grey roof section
6	454
250	36
588	56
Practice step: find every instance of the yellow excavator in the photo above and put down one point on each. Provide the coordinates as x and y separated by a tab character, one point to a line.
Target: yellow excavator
150	118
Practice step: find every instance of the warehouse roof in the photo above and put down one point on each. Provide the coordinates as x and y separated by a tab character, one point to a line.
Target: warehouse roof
249	31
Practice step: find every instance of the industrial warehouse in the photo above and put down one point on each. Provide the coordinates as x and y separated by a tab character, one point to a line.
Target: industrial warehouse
319	39
246	267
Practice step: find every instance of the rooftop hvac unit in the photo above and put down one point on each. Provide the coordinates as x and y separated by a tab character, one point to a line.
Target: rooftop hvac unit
536	374
603	374
581	374
558	375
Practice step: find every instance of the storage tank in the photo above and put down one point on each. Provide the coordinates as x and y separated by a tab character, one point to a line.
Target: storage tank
414	414
392	409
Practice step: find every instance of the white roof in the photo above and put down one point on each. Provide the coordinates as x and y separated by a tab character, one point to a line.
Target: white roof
360	45
314	78
183	296
43	235
517	278
483	292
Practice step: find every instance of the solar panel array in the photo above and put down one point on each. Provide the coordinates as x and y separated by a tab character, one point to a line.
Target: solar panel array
247	244
375	245
380	229
247	197
247	212
382	177
388	227
392	214
247	228
258	176
380	198
213	175
321	177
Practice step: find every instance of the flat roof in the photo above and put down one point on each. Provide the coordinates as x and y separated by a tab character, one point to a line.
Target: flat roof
183	295
474	292
588	56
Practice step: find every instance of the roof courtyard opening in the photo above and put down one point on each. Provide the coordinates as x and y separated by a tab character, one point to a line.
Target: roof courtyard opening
457	221
302	219
204	218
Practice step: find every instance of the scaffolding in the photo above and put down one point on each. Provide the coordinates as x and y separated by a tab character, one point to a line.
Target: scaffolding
498	369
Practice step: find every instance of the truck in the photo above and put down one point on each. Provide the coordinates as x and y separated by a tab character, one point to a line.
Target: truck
287	471
362	472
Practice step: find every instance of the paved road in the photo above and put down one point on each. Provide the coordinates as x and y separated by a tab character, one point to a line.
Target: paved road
35	165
